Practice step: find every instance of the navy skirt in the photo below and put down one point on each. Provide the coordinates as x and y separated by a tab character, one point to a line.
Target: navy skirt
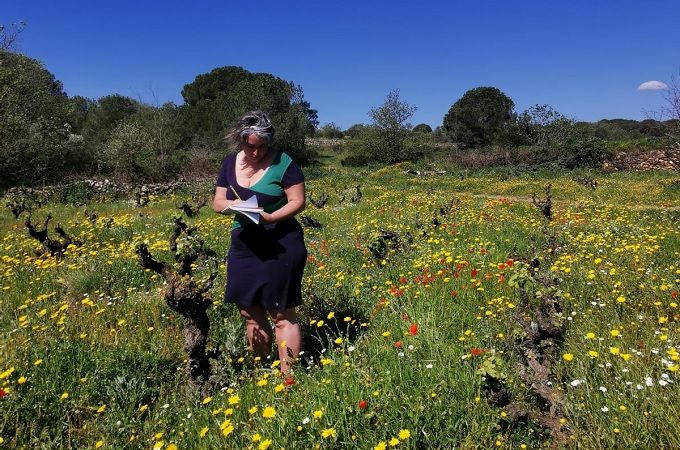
265	265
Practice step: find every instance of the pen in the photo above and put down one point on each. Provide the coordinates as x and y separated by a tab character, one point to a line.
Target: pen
234	191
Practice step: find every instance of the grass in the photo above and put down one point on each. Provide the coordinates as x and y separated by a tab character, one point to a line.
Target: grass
410	316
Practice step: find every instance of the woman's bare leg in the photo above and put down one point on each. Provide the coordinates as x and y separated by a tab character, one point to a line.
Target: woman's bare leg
258	330
288	337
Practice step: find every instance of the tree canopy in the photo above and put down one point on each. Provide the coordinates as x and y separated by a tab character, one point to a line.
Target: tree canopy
214	100
478	117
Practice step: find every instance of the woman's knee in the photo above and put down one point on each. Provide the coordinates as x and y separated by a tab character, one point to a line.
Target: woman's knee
284	318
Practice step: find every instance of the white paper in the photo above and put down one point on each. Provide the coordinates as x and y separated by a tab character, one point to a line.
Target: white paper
247	207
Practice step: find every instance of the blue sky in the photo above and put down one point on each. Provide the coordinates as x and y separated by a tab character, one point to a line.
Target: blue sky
585	59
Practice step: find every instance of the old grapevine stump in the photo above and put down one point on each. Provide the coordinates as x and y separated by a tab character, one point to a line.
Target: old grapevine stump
189	299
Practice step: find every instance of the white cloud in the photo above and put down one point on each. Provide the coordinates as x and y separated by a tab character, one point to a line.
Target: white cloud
652	86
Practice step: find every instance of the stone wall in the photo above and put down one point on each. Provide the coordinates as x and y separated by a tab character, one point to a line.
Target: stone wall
664	159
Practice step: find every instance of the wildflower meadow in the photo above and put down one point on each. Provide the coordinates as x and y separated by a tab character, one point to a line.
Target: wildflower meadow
442	311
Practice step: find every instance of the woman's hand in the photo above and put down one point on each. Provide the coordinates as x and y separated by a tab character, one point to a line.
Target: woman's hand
266	218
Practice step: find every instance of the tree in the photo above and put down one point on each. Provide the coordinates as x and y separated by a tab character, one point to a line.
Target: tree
670	114
33	122
543	126
330	131
422	128
479	117
10	36
105	115
391	121
214	100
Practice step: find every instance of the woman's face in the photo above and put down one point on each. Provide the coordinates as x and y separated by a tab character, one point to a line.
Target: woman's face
255	147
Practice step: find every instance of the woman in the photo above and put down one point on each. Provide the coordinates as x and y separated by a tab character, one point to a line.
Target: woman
265	261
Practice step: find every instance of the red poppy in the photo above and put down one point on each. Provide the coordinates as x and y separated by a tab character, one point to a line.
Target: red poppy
413	329
397	344
290	381
363	404
476	351
2	393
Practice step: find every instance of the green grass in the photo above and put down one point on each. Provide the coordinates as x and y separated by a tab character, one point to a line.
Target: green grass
409	291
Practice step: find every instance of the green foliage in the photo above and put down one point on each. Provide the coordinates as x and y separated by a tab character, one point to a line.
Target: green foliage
422	128
330	131
407	341
388	140
477	118
36	140
104	116
391	122
214	100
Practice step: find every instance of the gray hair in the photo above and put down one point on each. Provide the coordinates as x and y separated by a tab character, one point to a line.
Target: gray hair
252	122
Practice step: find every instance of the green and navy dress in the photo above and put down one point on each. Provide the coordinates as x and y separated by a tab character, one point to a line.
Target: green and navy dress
265	263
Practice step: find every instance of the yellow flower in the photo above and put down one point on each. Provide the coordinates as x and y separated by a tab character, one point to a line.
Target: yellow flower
256	437
590	335
262	383
22	380
614	333
330	315
265	444
171	447
101	409
207	400
592	353
328	433
394	442
252	410
386	333
269	412
380	446
404	434
143	408
227	427
99	444
568	357
279	387
203	431
318	414
234	400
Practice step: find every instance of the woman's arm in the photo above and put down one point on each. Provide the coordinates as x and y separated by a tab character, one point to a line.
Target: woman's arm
220	200
295	205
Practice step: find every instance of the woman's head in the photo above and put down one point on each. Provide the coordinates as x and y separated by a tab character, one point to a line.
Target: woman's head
255	123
